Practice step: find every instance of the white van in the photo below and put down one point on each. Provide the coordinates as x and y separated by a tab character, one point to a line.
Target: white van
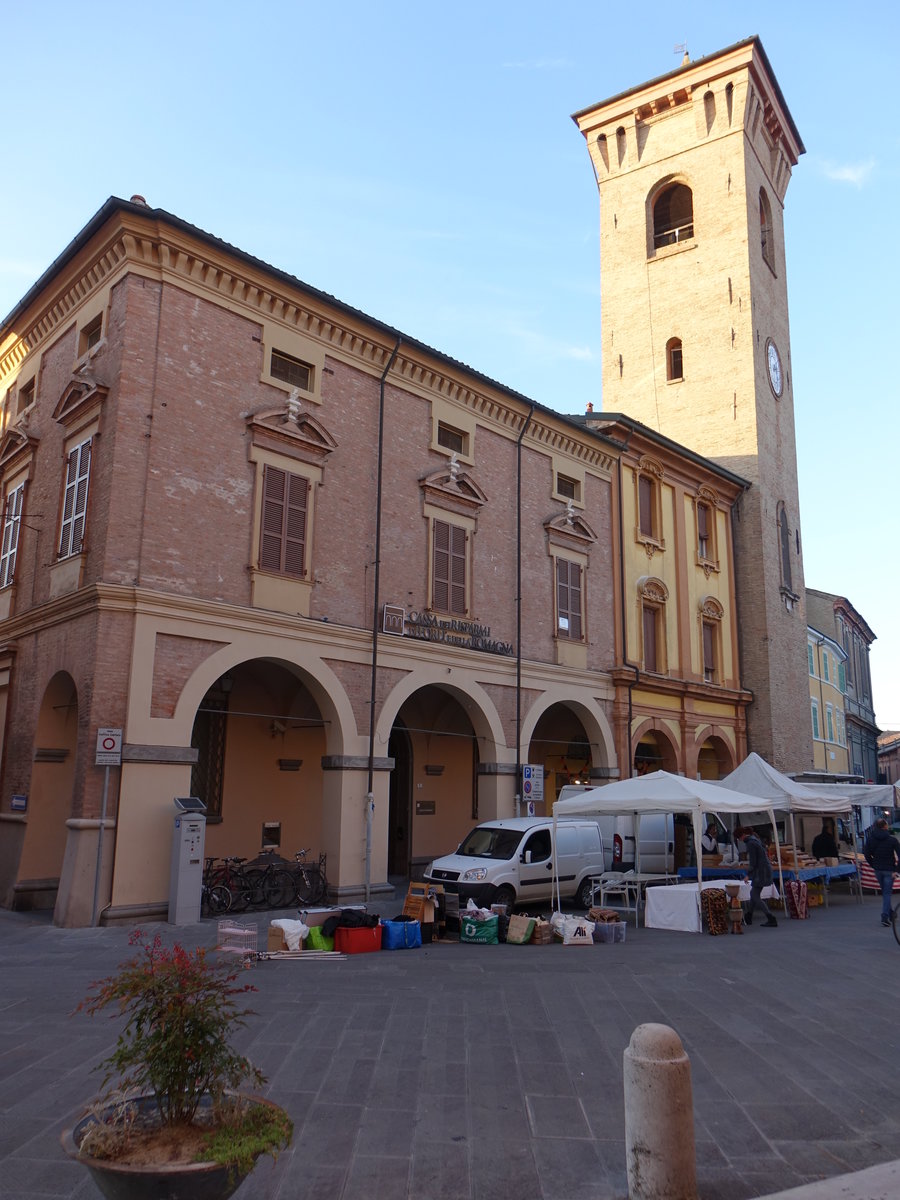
511	861
657	837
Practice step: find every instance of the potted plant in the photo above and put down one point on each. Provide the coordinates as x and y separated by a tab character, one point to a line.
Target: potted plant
173	1123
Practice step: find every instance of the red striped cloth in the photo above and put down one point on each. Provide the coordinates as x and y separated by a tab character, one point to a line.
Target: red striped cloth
869	880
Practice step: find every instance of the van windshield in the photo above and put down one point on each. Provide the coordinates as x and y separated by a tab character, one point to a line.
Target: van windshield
484	842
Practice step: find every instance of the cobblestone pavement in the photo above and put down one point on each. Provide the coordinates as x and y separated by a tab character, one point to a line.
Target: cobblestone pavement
461	1071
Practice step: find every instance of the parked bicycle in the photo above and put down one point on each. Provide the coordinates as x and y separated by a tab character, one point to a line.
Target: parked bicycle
308	879
229	873
215	899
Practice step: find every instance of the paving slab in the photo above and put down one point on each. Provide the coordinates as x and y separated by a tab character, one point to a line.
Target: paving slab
462	1072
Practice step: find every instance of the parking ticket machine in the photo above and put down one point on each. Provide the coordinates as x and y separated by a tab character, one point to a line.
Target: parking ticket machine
186	877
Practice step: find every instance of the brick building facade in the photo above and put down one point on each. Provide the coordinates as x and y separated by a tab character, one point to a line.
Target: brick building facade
241	517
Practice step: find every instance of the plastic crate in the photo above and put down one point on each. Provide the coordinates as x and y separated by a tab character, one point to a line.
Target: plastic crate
357	941
237	938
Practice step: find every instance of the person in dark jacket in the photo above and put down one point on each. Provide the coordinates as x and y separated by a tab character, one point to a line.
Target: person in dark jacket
759	870
824	844
882	853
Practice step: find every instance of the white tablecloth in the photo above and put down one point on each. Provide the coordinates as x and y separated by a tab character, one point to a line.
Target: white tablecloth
677	907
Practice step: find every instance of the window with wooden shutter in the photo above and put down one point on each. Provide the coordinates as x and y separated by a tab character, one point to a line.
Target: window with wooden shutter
448	572
645	506
703	524
568	599
650	618
12	519
78	470
709	652
282	546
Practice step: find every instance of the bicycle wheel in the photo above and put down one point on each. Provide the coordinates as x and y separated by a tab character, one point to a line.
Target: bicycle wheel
278	888
319	885
895	922
304	889
218	900
254	884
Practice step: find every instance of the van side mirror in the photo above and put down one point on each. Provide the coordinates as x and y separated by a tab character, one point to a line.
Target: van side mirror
526	857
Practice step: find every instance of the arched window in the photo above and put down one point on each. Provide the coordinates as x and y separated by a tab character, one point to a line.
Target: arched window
603	149
729	100
620	144
674	359
673	215
709	110
766	233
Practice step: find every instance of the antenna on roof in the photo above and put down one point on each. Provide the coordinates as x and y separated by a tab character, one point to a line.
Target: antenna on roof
681	48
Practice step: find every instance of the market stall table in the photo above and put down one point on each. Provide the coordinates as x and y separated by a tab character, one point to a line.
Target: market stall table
636	883
678	907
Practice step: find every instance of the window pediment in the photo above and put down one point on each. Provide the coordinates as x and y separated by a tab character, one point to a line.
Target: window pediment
570	529
711	608
291	431
82	398
16	448
451	487
652	590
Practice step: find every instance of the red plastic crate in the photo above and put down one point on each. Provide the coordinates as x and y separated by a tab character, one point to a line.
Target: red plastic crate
357	941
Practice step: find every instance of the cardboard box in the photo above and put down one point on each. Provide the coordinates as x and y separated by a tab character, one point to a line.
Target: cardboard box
276	942
421	901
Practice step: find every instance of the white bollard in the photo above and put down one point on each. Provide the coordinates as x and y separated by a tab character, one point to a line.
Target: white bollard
659	1117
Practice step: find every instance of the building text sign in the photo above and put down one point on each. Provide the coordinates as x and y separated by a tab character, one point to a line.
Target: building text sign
448	631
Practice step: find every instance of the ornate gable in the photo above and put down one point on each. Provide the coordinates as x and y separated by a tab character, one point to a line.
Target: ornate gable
451	487
16	448
570	529
82	399
291	431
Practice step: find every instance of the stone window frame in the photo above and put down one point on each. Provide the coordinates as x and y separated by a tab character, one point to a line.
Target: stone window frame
653	598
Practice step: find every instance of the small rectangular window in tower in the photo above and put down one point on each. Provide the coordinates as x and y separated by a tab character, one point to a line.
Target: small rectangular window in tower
291	370
451	439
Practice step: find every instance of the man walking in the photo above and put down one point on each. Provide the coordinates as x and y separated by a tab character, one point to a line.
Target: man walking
759	870
882	852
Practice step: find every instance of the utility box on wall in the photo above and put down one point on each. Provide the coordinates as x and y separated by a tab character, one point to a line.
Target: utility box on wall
186	874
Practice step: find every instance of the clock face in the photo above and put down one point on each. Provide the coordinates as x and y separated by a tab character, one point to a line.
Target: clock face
774	362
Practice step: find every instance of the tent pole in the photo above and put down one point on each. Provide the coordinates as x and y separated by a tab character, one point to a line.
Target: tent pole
778	856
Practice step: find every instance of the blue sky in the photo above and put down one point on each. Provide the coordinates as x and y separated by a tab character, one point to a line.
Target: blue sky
419	162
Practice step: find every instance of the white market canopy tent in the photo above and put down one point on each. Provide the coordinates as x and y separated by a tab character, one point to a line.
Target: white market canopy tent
755	777
662	792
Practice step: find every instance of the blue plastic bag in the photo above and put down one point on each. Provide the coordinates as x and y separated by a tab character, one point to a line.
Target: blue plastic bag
400	935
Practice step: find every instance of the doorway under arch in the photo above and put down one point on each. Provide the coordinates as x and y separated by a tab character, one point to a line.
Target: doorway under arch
49	796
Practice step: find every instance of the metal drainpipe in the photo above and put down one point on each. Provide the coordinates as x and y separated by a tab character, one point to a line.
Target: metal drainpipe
522	433
823	727
370	794
625	663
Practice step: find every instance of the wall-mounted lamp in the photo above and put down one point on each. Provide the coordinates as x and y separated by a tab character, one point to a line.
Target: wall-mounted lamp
226	683
433	769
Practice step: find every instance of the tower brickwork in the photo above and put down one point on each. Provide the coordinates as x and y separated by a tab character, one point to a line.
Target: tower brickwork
692	170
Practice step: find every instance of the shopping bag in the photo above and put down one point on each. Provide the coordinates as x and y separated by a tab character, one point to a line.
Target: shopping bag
482	932
400	935
520	929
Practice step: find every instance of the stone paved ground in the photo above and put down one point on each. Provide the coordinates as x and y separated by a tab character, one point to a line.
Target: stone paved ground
458	1071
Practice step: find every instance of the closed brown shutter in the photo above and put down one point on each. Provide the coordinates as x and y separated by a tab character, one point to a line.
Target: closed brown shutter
568	598
283	532
650	618
645	506
709	652
448	571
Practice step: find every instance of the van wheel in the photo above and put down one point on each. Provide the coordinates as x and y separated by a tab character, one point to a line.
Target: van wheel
505	895
583	895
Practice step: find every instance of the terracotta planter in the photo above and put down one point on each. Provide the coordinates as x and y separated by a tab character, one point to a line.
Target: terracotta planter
181	1181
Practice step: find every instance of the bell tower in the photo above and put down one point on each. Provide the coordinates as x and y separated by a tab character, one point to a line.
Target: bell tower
692	170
